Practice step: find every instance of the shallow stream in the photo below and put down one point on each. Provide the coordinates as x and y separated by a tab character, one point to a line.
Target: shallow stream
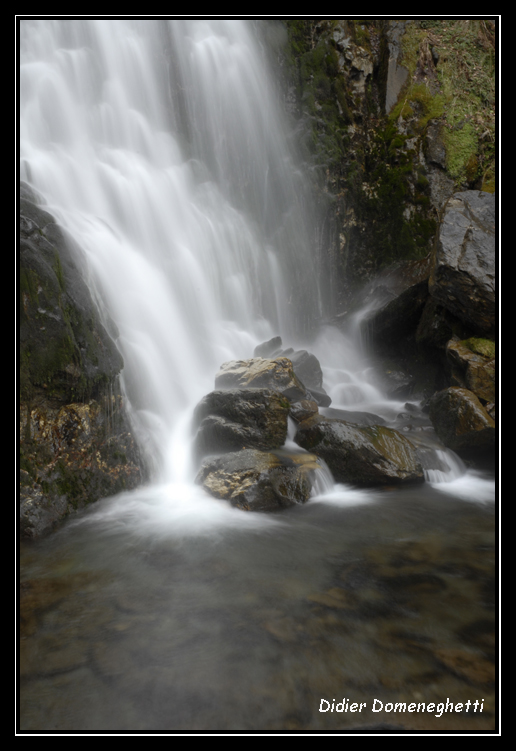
161	612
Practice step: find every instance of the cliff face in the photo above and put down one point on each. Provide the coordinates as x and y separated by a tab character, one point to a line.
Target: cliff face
75	440
396	116
398	119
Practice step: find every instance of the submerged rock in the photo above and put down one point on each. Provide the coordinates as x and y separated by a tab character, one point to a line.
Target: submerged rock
461	422
241	418
257	481
363	456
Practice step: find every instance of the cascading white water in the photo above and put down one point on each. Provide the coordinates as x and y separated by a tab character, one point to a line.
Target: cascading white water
160	147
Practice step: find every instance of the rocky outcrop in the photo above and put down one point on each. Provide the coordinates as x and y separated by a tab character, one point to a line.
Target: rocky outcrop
462	423
238	419
71	456
65	351
463	274
362	456
472	364
258	481
76	444
397	116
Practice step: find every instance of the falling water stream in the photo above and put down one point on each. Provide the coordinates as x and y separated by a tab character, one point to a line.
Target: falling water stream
160	146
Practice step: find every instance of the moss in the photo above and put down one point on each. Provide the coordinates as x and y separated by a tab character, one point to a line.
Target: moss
461	147
458	88
58	270
484	347
390	169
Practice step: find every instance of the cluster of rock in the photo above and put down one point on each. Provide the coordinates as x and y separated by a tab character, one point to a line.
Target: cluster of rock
76	444
436	335
242	427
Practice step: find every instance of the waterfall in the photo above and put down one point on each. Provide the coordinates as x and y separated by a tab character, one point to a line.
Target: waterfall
160	146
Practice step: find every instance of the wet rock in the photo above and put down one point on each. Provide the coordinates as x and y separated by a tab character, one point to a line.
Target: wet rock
259	372
257	481
241	418
363	456
463	276
266	349
72	456
303	409
437	325
75	440
461	422
306	367
468	665
398	318
397	383
471	369
320	397
355	418
63	342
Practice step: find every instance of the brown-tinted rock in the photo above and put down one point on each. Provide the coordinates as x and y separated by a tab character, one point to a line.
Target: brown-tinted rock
259	372
257	481
241	418
460	421
303	409
364	456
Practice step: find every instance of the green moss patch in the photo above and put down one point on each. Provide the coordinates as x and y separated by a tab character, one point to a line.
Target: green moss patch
484	347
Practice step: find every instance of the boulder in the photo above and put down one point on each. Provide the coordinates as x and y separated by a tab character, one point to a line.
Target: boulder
362	456
461	422
437	326
266	349
303	409
254	480
240	418
472	370
463	273
259	372
307	368
398	318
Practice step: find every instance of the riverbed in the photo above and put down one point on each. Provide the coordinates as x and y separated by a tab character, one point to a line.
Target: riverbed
166	610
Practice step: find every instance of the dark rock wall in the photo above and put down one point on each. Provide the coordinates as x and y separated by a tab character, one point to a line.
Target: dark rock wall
76	444
395	116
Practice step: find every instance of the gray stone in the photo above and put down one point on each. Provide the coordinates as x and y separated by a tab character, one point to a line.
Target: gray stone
363	456
463	275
